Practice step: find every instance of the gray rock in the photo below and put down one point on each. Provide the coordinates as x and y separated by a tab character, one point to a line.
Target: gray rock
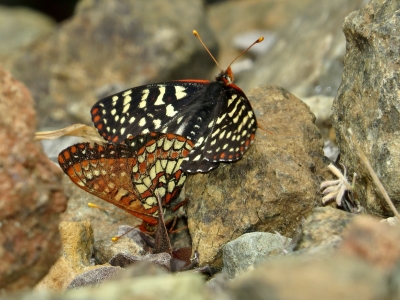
182	286
93	277
125	43
106	249
321	106
19	27
179	287
248	250
307	56
124	260
307	278
368	101
250	17
325	226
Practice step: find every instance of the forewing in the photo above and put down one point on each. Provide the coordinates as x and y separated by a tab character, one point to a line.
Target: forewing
159	107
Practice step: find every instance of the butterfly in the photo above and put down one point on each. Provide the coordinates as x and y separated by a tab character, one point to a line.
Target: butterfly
132	174
216	116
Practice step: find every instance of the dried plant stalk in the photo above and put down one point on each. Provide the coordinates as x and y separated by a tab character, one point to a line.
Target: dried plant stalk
375	178
79	130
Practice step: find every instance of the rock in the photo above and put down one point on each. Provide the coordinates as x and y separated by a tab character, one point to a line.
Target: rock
77	242
270	189
307	57
31	197
367	101
178	287
363	262
99	275
374	242
392	221
321	106
106	249
331	151
325	226
93	277
249	16
108	44
218	286
58	278
19	27
123	260
307	278
140	269
248	250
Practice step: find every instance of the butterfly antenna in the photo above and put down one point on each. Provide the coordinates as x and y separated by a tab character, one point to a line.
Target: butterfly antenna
92	205
196	34
116	238
259	40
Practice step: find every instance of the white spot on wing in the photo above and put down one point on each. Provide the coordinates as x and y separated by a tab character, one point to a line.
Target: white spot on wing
221	118
142	122
170	111
215	132
197	157
157	123
160	97
180	92
232	112
231	100
199	141
127	99
126	93
126	107
145	94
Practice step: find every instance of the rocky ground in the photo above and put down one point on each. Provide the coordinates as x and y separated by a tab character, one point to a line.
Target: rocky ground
259	224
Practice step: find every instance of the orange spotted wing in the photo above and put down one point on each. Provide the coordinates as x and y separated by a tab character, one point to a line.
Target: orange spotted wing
129	175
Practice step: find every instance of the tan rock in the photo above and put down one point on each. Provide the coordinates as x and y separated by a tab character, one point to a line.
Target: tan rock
272	188
31	196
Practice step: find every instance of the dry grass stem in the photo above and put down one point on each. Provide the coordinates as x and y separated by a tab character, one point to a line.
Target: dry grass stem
373	175
79	130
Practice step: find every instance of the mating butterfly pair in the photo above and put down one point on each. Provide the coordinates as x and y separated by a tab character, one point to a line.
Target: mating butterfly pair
212	119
